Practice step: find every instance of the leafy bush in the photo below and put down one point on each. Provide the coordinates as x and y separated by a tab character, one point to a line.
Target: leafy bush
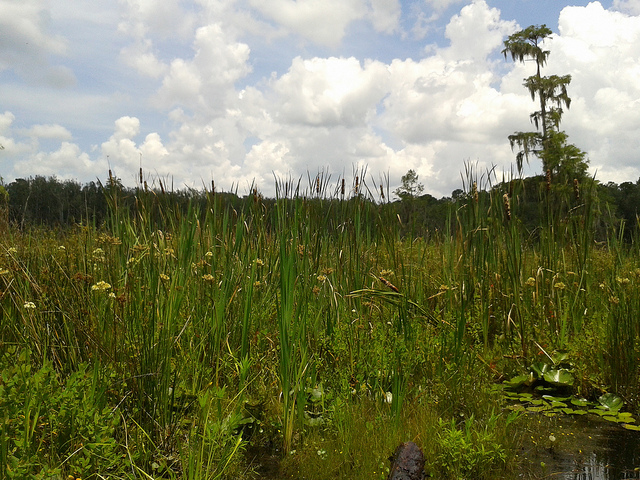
469	452
52	427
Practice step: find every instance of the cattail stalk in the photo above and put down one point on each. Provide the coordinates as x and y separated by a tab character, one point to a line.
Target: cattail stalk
507	206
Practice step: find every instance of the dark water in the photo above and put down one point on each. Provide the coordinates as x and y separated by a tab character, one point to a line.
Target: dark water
585	449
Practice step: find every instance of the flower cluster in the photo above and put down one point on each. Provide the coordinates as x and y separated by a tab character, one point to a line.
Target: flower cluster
101	286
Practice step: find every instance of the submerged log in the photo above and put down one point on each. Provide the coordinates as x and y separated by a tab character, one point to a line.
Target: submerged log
408	463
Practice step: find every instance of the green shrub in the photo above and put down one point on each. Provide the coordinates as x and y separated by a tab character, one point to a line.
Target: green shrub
50	426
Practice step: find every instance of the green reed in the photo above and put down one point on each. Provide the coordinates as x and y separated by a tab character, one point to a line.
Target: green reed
311	305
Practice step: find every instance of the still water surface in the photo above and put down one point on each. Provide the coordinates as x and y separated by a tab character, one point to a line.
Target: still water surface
588	449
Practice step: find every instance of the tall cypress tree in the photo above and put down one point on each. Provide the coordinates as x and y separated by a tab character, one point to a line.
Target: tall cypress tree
548	142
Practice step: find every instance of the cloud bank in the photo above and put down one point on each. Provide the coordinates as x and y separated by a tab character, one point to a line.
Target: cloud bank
201	106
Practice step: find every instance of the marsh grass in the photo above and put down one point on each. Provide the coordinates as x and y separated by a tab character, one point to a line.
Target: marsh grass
313	322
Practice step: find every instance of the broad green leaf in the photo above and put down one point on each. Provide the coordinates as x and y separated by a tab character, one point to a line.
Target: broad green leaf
597	411
555	399
518	381
631	427
559	377
612	418
541	408
611	401
559	357
539	368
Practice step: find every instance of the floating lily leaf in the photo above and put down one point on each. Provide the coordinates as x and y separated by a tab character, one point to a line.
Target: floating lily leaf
612	418
538	401
541	408
631	427
518	407
559	377
543	388
551	398
611	401
579	402
597	412
518	381
626	417
569	411
558	404
525	397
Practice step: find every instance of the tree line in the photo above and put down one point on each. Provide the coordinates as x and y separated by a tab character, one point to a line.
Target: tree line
54	203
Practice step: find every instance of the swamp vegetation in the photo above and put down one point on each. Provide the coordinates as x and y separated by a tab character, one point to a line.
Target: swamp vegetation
307	336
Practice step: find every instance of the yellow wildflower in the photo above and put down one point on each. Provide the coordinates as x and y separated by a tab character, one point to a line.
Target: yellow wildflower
100	286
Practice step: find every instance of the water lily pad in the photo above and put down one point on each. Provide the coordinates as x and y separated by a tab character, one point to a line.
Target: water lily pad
544	388
541	408
626	417
572	411
559	377
597	411
631	427
551	398
555	404
518	381
612	418
579	402
611	401
518	407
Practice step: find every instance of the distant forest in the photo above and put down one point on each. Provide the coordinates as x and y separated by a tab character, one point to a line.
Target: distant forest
50	202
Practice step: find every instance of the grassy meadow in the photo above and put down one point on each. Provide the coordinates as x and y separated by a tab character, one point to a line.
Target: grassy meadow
307	336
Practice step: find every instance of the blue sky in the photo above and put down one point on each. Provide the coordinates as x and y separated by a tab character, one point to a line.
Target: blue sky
241	90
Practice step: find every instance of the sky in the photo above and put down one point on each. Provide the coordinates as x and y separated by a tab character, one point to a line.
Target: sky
243	92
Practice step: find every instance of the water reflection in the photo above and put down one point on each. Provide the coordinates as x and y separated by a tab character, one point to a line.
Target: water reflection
588	449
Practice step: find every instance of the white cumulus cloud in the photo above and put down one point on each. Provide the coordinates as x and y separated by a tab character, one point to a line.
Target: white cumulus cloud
332	91
321	21
27	46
